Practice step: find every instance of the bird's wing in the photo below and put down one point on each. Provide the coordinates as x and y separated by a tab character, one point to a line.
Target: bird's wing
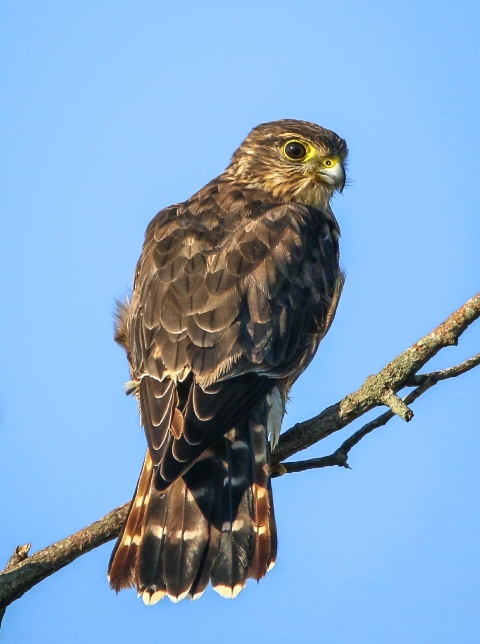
230	294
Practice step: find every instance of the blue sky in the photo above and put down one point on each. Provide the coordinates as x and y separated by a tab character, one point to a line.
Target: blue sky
113	110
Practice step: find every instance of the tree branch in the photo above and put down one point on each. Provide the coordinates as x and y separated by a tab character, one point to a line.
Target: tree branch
443	374
381	388
23	572
340	456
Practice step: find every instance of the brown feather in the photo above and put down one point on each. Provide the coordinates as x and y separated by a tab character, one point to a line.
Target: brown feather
253	250
238	265
199	336
154	297
171	319
173	271
262	500
121	569
220	282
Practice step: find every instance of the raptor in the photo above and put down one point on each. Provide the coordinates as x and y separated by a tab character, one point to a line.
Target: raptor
233	292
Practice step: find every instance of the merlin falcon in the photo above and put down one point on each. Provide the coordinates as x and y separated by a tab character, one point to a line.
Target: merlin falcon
233	292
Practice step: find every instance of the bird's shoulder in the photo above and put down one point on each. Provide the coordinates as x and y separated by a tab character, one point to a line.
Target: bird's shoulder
225	214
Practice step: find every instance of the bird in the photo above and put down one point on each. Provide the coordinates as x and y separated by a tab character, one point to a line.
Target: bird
233	292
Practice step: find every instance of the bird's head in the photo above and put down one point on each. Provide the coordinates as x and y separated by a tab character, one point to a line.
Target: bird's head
292	160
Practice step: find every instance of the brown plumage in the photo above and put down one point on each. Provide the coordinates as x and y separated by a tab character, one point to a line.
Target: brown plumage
233	292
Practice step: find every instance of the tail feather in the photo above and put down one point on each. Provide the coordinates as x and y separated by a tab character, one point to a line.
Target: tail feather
263	515
215	523
205	568
211	504
187	542
150	575
121	569
229	572
273	531
174	561
177	535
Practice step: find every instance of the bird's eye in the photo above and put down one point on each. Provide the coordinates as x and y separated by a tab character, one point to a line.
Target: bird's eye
295	150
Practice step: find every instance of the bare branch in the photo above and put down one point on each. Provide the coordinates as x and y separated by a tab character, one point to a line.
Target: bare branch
381	388
337	458
443	374
23	572
20	553
340	456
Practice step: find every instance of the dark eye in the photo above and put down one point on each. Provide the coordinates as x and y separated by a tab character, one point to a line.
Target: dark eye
295	150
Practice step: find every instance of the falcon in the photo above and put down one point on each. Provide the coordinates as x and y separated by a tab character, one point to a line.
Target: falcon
233	292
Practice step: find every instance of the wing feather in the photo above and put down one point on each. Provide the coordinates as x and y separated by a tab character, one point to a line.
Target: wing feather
228	284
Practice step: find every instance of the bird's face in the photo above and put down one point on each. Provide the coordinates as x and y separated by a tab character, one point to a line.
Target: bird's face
292	160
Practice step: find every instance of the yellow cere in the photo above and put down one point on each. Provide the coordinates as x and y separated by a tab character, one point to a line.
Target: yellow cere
330	162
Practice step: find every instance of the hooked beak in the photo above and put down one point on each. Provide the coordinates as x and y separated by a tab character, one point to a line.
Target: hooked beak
334	176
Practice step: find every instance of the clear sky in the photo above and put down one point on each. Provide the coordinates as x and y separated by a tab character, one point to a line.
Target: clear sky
111	111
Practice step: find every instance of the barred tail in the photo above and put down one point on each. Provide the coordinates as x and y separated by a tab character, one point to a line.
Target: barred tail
216	523
121	568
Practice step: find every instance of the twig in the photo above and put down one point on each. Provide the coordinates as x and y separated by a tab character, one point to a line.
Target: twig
381	388
340	456
22	574
19	554
443	374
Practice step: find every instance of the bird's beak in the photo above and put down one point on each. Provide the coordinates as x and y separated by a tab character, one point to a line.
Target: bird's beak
334	176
